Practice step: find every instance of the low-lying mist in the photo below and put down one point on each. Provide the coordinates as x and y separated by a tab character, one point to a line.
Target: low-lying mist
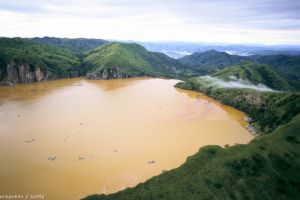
235	83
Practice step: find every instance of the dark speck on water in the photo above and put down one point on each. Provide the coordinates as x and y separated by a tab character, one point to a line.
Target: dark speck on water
28	141
52	158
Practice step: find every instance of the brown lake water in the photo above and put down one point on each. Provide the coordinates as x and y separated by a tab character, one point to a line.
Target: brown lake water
104	136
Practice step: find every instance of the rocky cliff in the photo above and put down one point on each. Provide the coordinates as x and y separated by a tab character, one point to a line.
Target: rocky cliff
14	73
108	73
25	61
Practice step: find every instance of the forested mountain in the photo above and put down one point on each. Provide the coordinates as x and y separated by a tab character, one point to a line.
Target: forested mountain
23	61
289	66
211	61
119	60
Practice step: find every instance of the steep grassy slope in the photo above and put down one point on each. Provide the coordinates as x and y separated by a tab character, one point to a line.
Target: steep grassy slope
118	60
267	168
254	74
286	65
78	45
211	61
128	57
22	61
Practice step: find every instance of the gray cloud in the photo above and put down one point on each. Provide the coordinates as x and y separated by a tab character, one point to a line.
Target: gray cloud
217	15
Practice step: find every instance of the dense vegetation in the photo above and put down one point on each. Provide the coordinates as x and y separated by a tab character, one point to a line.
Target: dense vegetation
256	74
78	45
68	58
211	61
72	57
289	66
60	62
132	59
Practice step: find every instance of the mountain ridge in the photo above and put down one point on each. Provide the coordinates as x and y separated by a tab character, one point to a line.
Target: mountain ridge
289	66
211	61
77	45
128	60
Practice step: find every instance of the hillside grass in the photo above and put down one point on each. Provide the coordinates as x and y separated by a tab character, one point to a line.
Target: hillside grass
289	66
59	61
129	57
255	74
132	59
76	45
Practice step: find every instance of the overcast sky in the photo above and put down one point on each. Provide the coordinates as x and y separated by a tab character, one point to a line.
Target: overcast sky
231	21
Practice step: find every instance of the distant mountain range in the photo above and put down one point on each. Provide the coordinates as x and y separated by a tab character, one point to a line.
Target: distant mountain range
180	49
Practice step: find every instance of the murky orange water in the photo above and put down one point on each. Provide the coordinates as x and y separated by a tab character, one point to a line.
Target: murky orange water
103	134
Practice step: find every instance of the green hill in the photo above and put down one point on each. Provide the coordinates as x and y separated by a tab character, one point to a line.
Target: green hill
119	60
36	59
289	66
211	61
254	73
23	61
77	45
